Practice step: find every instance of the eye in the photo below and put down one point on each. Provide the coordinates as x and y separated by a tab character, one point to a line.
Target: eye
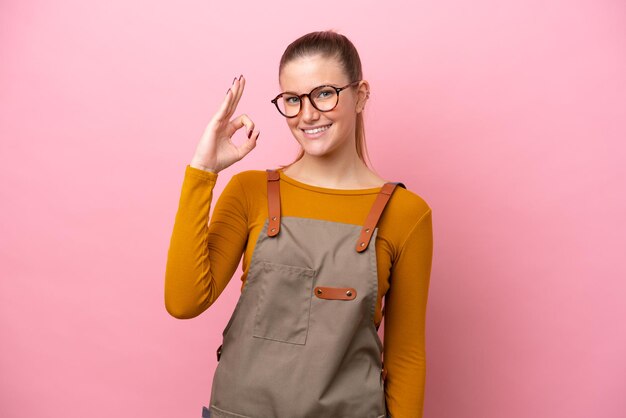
291	99
325	93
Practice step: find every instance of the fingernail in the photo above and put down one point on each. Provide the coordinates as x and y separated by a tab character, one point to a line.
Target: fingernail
249	134
227	91
240	76
234	80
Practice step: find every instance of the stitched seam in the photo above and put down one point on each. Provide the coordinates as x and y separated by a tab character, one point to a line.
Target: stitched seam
245	196
205	248
228	412
411	231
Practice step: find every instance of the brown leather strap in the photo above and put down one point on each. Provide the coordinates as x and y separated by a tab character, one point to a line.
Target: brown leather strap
375	212
336	293
273	202
273	209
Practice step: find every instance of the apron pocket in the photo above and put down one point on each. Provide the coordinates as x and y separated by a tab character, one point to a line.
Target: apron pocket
284	302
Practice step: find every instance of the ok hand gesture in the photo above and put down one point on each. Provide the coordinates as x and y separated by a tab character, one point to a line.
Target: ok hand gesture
216	151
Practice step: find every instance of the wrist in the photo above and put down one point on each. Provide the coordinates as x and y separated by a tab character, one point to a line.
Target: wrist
203	167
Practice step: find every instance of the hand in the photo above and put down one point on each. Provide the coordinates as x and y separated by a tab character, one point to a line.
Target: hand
216	151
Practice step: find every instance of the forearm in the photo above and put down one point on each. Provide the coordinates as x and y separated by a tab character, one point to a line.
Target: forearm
202	257
187	281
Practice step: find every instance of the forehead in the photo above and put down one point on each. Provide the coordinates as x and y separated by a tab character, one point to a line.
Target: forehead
306	73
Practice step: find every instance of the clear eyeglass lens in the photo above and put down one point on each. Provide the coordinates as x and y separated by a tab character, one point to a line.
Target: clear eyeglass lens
325	98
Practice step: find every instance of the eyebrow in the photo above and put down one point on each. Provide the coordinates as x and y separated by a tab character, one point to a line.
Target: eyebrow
323	84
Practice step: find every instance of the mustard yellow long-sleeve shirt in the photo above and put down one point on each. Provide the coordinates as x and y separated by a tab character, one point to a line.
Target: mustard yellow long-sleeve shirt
203	257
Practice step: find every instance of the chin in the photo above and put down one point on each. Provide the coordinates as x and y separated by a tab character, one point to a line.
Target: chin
318	151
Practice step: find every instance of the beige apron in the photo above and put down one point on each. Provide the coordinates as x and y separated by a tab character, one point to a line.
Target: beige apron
301	342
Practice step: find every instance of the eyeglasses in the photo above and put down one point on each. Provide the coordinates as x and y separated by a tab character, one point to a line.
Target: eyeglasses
323	98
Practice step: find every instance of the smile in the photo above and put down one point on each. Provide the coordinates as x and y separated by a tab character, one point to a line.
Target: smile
316	130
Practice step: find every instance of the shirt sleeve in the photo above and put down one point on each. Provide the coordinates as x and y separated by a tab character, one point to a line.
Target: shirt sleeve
405	320
203	255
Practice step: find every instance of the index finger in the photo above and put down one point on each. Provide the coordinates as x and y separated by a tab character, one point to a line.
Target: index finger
223	109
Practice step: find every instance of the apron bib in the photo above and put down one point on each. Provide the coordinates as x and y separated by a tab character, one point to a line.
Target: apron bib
301	342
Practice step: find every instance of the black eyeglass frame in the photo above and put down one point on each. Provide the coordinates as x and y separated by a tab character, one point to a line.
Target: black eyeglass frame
300	96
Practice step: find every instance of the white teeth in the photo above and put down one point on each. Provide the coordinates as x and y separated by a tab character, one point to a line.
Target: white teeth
316	130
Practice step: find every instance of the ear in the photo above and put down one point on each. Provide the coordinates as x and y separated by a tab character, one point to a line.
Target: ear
363	94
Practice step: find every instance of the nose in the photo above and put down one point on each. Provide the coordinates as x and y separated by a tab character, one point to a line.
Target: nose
308	111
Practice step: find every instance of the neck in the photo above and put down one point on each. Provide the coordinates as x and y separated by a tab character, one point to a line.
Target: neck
335	172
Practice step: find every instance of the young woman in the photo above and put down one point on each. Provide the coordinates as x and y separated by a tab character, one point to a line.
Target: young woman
323	239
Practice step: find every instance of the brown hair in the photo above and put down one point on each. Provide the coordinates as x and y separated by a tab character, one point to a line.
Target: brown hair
330	44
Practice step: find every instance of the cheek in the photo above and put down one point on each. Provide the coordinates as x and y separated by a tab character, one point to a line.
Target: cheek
344	119
291	123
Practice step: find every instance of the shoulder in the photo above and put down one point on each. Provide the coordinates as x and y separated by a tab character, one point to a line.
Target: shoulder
252	184
408	206
407	218
251	179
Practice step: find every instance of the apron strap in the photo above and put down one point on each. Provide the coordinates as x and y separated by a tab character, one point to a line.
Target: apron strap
375	212
273	202
370	223
273	208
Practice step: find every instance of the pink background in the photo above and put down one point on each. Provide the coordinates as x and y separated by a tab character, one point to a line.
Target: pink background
508	117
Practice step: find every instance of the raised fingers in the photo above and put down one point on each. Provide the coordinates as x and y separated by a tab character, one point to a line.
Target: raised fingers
222	112
237	88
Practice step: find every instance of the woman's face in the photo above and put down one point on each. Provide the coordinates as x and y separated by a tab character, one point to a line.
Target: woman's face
301	76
